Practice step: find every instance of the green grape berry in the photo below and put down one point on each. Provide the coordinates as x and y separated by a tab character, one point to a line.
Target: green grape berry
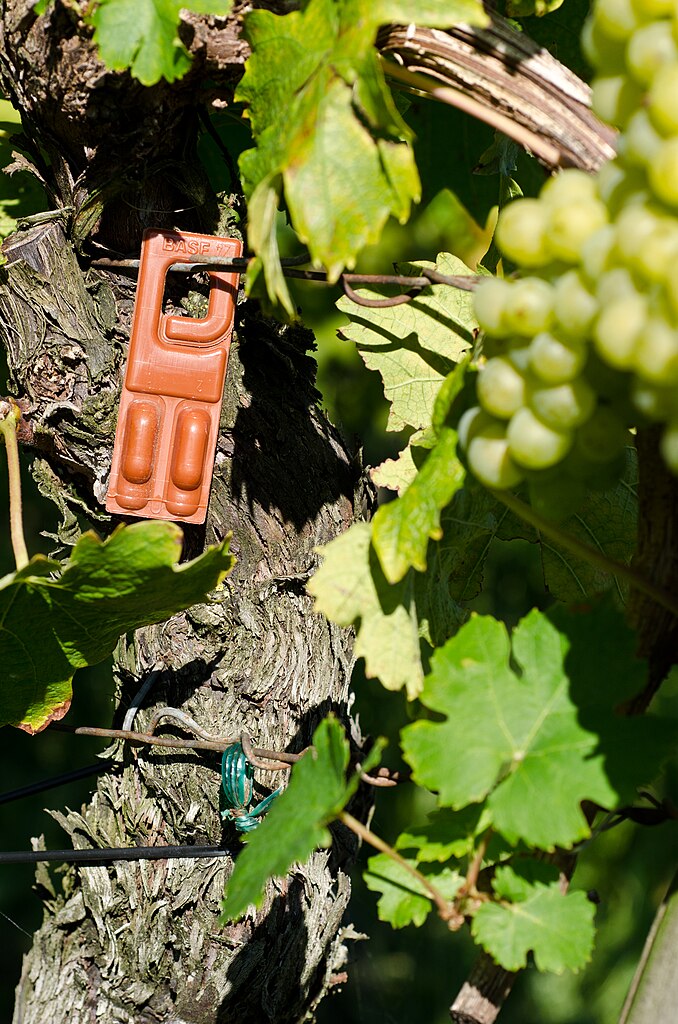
563	406
661	99
658	251
597	253
569	187
555	361
529	306
617	329
490	300
574	305
656	352
633	226
617	19
600	49
535	445
490	459
640	141
471	422
615	98
521	233
650	47
571	226
663	172
501	388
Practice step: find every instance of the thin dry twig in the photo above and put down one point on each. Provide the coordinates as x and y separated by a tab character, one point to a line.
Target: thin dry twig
261	757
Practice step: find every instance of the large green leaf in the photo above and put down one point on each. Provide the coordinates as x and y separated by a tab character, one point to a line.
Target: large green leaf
142	35
55	619
557	927
345	161
510	736
297	823
415	345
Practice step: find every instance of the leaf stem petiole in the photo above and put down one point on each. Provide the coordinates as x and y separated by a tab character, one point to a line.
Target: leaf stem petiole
9	417
588	554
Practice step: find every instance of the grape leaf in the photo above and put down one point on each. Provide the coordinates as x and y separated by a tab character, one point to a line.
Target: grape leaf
55	619
415	345
456	562
445	834
345	161
350	588
142	35
395	621
404	899
397	474
401	529
297	823
557	927
511	737
607	521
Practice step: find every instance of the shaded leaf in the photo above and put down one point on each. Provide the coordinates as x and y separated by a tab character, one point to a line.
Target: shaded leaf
395	621
445	834
404	899
607	522
55	619
316	71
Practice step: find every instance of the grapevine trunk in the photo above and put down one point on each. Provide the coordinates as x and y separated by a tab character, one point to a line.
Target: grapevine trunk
141	942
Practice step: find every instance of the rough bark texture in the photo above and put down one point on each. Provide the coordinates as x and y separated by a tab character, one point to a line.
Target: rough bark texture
140	942
482	996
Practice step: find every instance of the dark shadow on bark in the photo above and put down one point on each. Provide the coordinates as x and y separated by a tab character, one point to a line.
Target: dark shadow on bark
262	993
279	375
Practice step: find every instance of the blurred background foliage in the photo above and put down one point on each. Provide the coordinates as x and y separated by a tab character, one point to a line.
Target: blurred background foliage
397	977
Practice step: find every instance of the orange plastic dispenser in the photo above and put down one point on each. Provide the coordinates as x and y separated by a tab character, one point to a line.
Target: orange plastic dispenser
171	399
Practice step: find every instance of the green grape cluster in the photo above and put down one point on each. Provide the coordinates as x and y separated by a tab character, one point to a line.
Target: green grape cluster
582	343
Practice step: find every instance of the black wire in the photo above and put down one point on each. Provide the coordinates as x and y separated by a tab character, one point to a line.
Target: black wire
108	856
57	780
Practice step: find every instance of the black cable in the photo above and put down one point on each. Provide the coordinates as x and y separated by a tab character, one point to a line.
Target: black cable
57	780
108	856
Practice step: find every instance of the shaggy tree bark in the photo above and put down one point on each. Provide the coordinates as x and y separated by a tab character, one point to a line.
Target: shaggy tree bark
140	942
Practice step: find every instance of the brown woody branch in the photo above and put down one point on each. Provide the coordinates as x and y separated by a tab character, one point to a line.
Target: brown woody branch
506	79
